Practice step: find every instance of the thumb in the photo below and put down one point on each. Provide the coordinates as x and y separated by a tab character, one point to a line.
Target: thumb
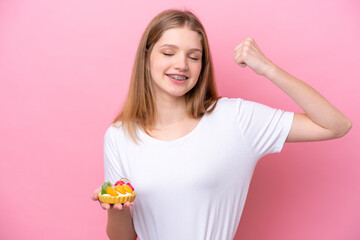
239	60
94	197
242	65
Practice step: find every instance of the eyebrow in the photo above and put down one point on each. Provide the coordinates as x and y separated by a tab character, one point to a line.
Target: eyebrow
174	46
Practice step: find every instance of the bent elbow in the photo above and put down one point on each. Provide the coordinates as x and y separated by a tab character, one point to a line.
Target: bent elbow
345	128
348	126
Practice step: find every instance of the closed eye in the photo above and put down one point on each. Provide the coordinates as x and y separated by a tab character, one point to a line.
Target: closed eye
171	54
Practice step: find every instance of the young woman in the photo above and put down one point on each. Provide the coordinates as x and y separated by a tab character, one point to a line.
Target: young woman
189	153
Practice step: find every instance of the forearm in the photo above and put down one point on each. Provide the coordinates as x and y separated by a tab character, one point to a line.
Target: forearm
315	106
120	225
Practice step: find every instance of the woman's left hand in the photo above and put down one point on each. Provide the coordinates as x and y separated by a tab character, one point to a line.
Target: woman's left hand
247	53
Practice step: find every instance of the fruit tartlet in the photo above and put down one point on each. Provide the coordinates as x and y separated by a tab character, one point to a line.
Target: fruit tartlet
121	192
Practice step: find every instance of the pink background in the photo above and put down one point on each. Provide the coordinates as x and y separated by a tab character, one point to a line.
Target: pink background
64	72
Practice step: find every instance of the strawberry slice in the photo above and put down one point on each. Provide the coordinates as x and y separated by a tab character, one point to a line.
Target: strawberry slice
130	186
119	183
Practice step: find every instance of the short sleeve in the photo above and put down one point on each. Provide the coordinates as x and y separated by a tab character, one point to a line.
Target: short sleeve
264	129
112	161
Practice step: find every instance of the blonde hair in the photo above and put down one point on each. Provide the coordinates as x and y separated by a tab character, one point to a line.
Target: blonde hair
139	109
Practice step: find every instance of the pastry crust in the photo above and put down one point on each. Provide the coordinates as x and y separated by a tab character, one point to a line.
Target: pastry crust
116	199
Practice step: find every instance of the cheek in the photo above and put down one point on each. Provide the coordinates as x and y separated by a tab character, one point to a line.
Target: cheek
158	67
198	69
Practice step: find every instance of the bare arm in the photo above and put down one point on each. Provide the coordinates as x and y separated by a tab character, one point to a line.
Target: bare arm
320	120
120	224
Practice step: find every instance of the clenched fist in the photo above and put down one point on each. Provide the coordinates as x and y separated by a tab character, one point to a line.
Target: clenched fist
247	53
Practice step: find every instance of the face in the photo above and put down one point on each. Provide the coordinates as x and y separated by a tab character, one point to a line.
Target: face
175	62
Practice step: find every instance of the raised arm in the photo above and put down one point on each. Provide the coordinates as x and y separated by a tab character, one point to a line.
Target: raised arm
320	120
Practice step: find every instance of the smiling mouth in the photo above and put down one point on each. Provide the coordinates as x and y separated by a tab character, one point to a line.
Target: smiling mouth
177	77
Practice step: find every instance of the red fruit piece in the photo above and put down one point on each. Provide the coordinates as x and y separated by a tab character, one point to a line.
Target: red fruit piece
130	186
119	183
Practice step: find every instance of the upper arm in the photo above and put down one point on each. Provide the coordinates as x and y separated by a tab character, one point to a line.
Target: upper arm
113	166
303	129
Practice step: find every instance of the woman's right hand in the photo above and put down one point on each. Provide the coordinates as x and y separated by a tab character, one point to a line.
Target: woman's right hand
107	206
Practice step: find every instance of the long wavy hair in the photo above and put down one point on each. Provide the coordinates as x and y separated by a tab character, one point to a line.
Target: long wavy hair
139	109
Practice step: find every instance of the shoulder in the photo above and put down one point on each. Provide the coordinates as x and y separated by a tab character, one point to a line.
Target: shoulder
228	106
114	132
226	110
226	103
242	108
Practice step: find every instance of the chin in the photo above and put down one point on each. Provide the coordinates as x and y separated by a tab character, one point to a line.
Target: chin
178	95
178	92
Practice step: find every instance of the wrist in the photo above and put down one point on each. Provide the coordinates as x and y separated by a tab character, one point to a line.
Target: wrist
271	71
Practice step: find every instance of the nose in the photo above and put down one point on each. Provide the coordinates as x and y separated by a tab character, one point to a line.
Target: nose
182	63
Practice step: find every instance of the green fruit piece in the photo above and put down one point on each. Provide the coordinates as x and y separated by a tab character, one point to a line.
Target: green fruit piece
104	187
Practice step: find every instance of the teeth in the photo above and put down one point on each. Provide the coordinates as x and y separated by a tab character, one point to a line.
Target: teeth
178	77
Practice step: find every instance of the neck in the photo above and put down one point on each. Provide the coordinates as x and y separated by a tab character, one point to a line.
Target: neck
170	111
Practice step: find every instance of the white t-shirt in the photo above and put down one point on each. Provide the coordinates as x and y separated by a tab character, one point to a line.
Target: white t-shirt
195	187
